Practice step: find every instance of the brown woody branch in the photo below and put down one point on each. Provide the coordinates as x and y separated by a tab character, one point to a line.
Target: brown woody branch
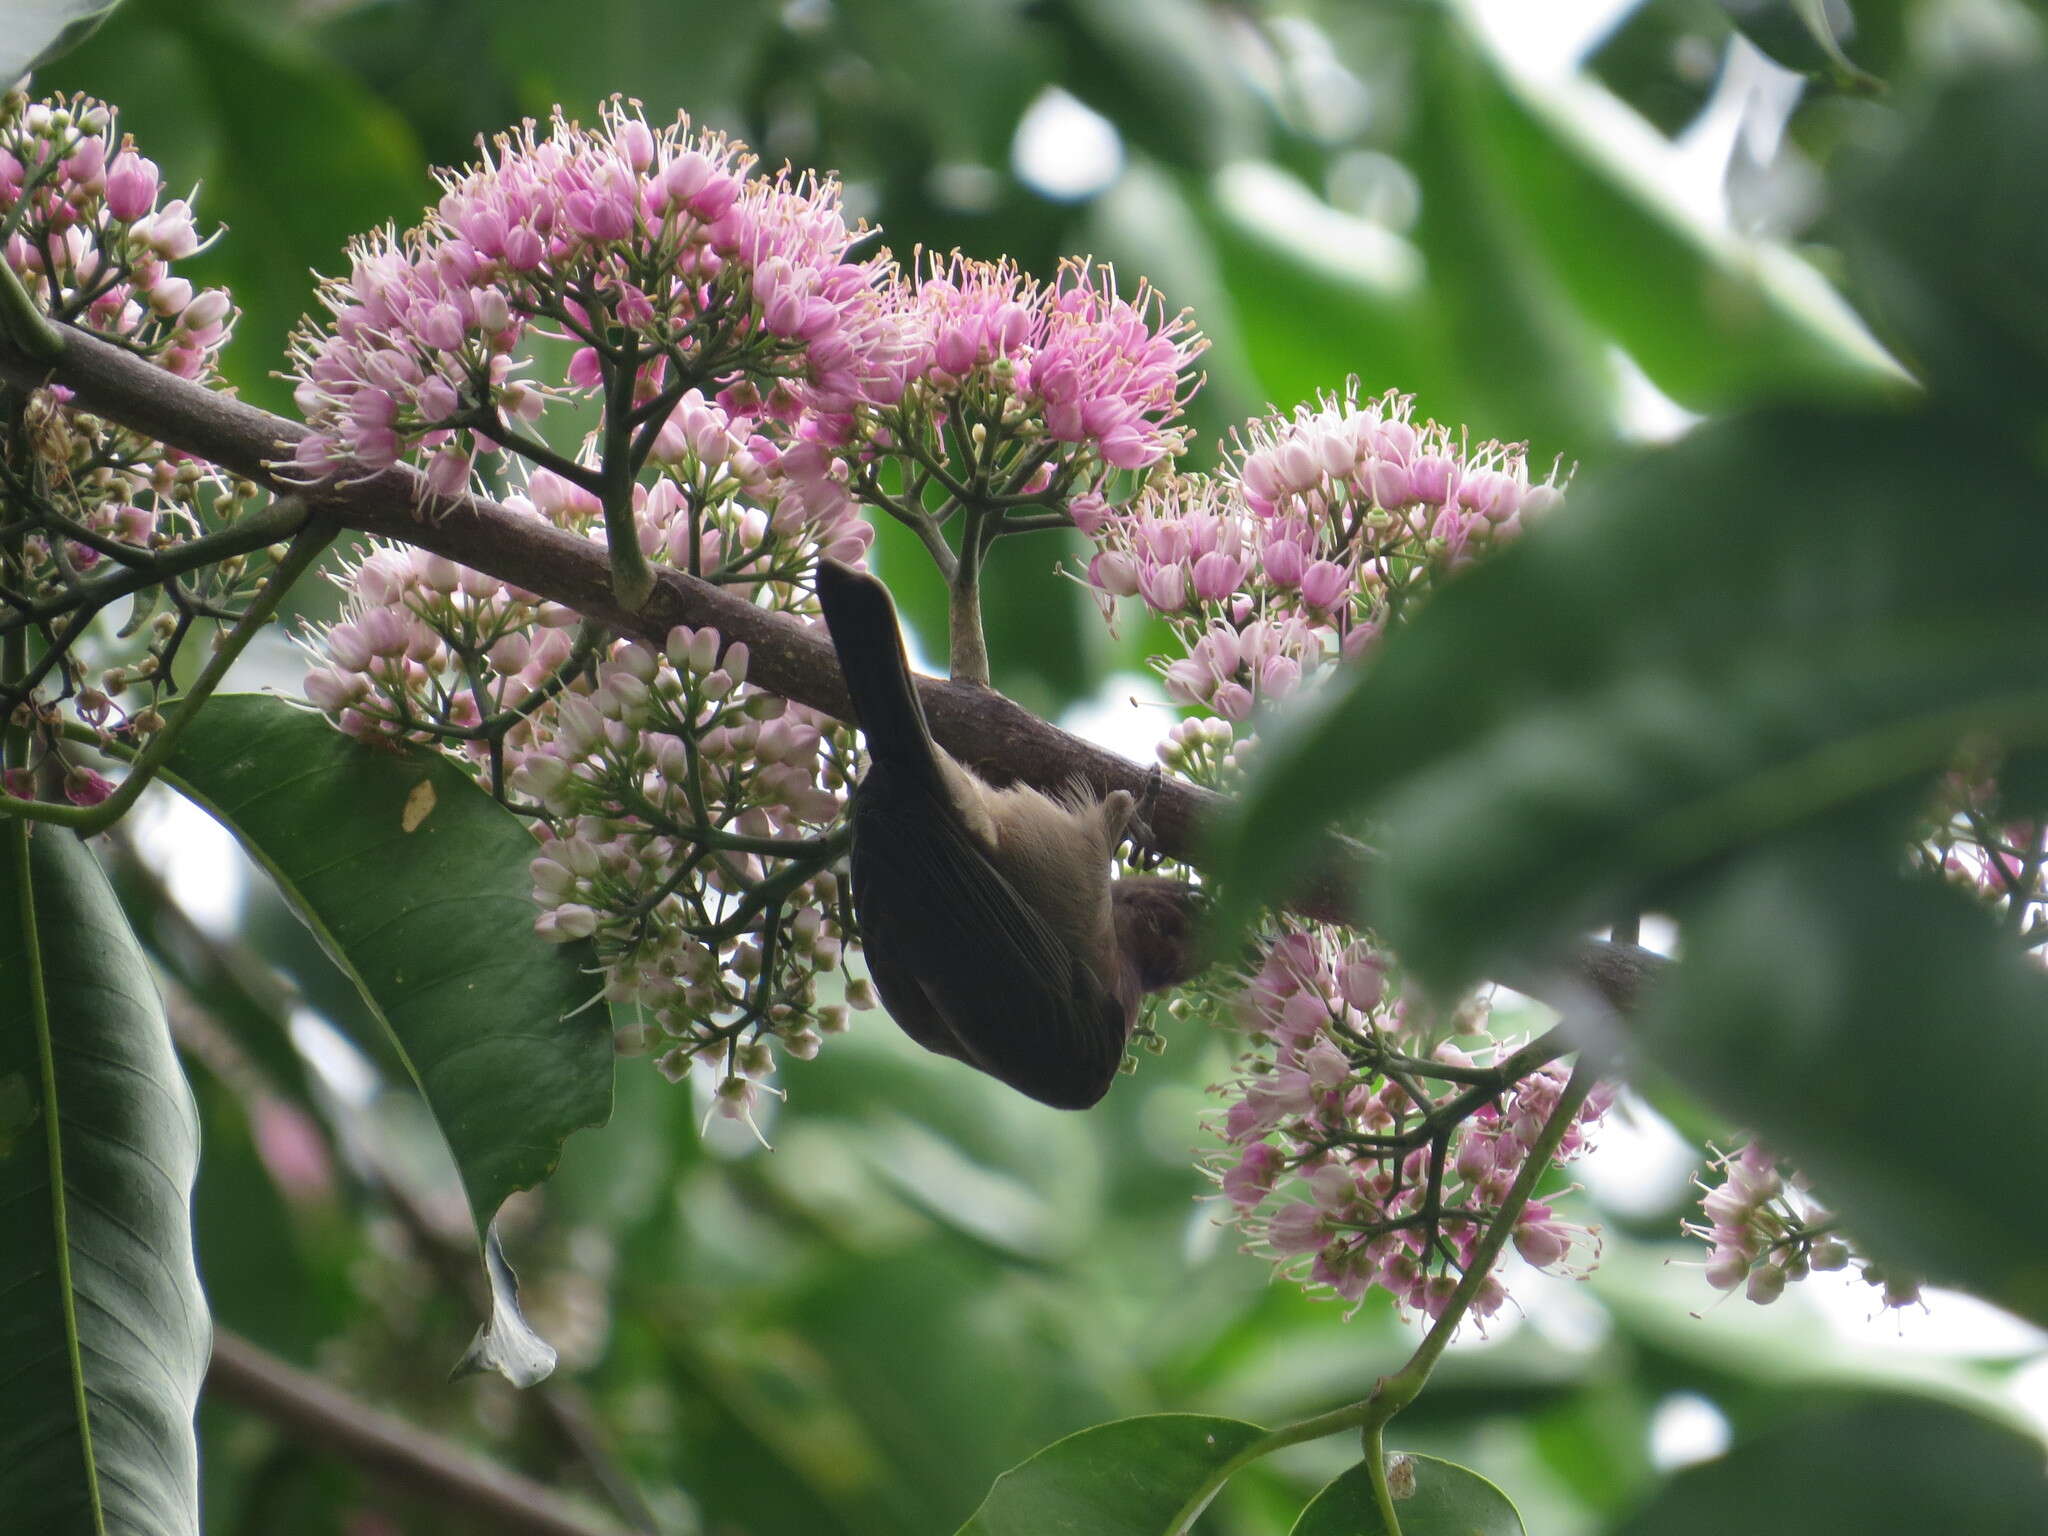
975	724
403	1454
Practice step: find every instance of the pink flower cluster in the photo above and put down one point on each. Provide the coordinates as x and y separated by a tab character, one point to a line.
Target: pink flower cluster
671	266
1976	843
759	372
1764	1230
90	242
638	763
1323	528
1069	362
643	773
1363	1153
719	280
93	245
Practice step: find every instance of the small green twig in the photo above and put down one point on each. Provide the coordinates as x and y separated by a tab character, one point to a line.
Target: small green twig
272	525
632	577
967	646
15	742
311	543
1034	522
909	511
25	325
494	425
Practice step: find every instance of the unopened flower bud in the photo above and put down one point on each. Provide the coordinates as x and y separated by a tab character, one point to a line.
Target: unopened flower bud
1766	1284
1829	1253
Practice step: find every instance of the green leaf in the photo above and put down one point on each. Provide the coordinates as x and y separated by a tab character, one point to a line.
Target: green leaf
1758	634
1447	1500
707	59
1808	36
286	120
1284	253
104	1332
39	31
1546	380
1128	1478
958	74
1947	238
1894	1467
1813	974
1163	72
1715	319
415	882
1657	59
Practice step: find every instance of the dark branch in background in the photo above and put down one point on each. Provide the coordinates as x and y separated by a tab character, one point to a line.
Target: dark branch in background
982	728
404	1454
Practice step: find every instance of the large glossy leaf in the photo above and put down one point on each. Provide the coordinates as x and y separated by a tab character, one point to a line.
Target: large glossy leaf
1831	41
1546	380
1711	647
1948	236
1814	976
1163	71
415	882
1716	320
1894	1467
1650	59
1124	1479
288	120
1434	1498
103	1330
41	30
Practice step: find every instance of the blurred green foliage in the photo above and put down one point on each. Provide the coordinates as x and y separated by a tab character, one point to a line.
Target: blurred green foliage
929	1280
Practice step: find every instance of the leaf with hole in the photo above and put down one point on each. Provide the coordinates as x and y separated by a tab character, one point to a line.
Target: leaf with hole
423	901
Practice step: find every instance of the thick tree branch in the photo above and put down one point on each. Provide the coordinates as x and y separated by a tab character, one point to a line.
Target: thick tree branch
327	1420
975	724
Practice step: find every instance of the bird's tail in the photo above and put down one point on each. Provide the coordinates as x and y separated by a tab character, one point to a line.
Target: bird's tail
862	618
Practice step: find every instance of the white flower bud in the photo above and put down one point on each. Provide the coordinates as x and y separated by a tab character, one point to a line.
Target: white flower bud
552	878
567	924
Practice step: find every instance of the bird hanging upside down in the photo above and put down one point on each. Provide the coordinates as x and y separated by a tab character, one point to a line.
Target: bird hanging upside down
991	926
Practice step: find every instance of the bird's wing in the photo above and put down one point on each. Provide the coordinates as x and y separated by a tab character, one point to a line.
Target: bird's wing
955	949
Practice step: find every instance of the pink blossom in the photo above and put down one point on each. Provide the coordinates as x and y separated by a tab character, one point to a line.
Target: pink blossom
661	231
1216	576
1285	560
82	786
1297	1229
1164	587
1311	1091
132	184
292	1149
1323	584
1115	573
1250	1179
